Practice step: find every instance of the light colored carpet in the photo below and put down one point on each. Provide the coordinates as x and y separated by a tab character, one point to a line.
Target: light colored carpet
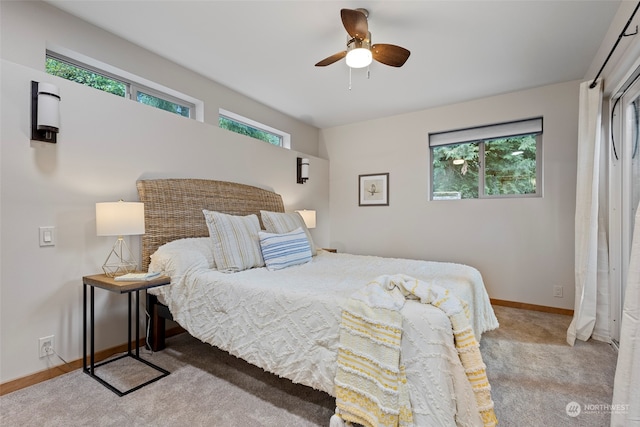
534	375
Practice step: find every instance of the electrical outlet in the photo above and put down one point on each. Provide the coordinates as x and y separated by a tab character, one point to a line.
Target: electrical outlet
45	346
557	291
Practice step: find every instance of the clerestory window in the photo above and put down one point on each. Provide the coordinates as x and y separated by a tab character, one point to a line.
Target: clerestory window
67	68
245	126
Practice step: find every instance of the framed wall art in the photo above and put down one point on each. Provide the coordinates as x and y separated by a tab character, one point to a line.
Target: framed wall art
373	189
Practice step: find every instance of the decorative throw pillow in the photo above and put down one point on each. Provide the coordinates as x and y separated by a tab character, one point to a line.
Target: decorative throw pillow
177	257
236	245
285	250
279	222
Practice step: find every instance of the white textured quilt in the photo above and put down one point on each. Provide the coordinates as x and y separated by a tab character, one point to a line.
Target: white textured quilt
287	321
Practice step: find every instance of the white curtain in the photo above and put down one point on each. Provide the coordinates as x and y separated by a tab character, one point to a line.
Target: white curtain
625	410
591	308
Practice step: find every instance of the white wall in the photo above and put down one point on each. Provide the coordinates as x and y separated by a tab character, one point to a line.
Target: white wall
106	143
31	27
523	247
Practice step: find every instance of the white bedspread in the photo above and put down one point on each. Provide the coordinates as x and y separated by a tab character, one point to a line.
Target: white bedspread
287	322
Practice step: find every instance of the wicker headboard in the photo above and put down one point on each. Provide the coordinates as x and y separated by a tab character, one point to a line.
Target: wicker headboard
173	207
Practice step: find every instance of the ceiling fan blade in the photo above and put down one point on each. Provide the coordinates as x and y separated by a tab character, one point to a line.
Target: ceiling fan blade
355	22
331	59
390	54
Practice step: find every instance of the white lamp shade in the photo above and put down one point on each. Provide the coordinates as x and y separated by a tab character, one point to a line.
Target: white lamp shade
359	58
309	218
119	218
304	173
48	111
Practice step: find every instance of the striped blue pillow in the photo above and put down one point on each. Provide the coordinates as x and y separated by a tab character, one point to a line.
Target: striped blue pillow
285	250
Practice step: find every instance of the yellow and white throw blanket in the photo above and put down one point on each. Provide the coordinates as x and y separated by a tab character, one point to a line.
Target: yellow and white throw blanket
370	382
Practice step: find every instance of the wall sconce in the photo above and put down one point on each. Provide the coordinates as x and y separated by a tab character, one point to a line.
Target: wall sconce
45	112
119	219
309	217
303	170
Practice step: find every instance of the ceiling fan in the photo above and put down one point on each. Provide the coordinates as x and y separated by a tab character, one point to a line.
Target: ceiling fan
360	51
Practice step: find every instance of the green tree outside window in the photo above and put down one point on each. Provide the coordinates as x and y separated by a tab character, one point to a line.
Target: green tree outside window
85	77
509	168
243	129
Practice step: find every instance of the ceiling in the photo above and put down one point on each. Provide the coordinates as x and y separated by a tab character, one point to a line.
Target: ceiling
460	50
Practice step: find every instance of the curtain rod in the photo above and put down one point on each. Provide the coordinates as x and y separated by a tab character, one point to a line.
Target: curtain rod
622	34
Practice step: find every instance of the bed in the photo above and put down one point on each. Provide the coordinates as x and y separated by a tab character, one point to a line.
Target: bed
288	321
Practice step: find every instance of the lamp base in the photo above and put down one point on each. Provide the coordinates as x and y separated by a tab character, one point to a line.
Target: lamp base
120	260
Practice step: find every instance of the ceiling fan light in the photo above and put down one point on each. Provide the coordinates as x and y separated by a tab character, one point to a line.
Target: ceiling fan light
359	58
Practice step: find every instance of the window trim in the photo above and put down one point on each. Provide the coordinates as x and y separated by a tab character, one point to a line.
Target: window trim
482	134
132	82
285	138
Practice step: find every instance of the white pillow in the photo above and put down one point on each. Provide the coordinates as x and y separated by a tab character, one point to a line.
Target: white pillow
280	222
175	258
285	250
236	245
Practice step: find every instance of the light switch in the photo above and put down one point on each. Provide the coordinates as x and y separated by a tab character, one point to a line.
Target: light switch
47	236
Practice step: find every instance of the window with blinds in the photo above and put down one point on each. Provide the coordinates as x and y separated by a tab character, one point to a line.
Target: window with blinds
492	161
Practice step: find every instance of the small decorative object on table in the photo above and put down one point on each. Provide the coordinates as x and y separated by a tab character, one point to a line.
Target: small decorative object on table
136	277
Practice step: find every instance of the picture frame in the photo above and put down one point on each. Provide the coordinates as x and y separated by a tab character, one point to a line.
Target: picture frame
373	189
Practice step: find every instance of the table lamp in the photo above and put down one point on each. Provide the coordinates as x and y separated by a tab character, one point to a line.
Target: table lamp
309	217
119	219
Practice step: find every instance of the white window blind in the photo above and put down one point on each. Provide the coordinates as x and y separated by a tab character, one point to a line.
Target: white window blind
481	133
